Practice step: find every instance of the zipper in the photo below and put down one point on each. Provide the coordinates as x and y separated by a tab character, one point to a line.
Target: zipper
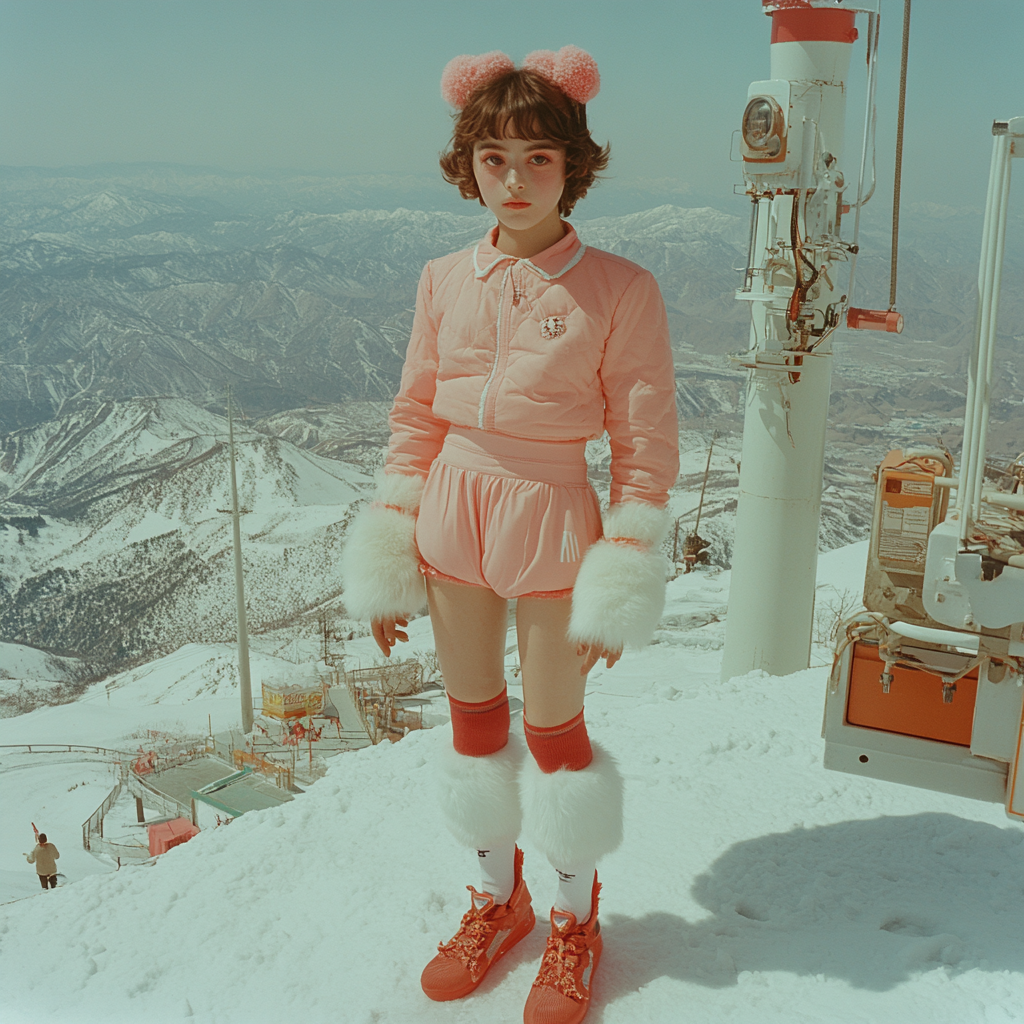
502	318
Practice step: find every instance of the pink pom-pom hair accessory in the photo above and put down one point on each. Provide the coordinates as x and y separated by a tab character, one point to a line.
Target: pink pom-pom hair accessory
462	76
571	69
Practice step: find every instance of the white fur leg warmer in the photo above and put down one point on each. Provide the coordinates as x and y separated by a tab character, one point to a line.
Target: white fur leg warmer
380	564
573	817
479	796
620	590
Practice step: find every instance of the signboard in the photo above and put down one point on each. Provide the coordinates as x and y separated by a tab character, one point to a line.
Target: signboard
296	701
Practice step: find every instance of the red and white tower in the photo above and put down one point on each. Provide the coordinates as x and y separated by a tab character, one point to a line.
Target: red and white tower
792	145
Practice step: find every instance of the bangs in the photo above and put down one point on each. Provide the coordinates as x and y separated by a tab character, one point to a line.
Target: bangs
516	124
524	105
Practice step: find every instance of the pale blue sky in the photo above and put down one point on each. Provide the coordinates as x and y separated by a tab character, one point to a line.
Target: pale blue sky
350	87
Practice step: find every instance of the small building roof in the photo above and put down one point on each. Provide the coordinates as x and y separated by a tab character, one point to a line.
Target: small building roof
181	781
241	792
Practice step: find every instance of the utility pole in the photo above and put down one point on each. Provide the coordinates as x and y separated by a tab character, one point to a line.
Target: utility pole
245	684
694	545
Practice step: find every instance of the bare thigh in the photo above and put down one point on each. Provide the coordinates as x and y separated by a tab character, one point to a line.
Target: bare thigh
552	685
470	625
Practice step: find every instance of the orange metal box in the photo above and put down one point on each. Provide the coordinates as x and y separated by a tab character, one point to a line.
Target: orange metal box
913	706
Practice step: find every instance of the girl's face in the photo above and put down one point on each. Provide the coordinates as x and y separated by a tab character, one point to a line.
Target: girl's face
520	181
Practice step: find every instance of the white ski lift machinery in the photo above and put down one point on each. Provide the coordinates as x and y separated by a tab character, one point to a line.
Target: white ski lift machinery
926	687
799	292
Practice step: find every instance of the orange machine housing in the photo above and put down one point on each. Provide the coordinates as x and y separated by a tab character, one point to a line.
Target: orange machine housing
908	505
908	513
914	705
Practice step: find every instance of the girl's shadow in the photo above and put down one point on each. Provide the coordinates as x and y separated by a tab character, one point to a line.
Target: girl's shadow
869	902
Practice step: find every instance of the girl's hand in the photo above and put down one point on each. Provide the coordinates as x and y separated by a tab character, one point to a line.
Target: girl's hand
593	653
385	633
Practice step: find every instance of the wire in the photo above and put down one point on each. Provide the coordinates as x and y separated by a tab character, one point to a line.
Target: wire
899	156
874	176
794	239
870	121
801	288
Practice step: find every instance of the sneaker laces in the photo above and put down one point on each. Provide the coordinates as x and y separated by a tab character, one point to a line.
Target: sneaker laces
469	942
561	958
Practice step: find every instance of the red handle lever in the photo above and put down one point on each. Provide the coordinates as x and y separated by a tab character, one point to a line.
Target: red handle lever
874	320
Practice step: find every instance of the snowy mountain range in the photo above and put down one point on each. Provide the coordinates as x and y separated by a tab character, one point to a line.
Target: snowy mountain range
112	288
752	885
128	302
130	555
117	549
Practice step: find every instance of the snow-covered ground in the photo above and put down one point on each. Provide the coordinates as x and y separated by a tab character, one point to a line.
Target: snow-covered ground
30	677
753	886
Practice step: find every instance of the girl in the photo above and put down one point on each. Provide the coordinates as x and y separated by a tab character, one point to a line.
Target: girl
523	348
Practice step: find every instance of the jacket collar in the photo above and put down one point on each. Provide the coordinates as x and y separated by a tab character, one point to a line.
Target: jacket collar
551	263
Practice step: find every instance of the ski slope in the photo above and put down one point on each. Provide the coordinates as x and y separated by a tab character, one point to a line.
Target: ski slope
753	886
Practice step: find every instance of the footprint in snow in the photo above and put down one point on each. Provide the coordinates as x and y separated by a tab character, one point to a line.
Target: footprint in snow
907	926
751	911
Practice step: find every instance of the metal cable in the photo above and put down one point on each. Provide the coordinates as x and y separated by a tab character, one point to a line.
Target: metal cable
899	156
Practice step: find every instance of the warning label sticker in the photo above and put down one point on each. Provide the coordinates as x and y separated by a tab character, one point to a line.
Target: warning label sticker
916	487
915	520
903	536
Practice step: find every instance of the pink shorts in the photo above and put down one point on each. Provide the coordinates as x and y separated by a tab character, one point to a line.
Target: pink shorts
506	513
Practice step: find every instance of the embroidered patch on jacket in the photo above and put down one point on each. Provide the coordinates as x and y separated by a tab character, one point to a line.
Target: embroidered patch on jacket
552	327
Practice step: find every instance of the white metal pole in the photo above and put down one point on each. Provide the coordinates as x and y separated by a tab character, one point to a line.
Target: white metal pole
990	315
245	685
972	452
965	481
771	594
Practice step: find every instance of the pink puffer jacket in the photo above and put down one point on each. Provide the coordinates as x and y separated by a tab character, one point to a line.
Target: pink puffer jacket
565	345
562	346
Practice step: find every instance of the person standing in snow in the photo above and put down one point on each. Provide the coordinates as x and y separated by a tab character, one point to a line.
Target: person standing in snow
44	855
522	349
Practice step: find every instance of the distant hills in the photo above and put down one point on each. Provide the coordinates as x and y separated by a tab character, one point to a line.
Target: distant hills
117	286
116	548
130	298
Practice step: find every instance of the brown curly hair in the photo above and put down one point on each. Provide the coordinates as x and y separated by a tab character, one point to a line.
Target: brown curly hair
524	105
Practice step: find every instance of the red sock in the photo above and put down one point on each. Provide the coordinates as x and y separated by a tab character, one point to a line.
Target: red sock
480	729
560	746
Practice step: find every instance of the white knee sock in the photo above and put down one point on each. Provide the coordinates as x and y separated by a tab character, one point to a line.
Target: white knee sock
575	889
498	870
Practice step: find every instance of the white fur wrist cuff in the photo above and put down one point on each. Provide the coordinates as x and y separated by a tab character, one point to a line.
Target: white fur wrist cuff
380	563
400	491
636	520
620	590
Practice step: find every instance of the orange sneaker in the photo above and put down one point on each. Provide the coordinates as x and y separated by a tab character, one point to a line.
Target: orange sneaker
561	992
486	934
